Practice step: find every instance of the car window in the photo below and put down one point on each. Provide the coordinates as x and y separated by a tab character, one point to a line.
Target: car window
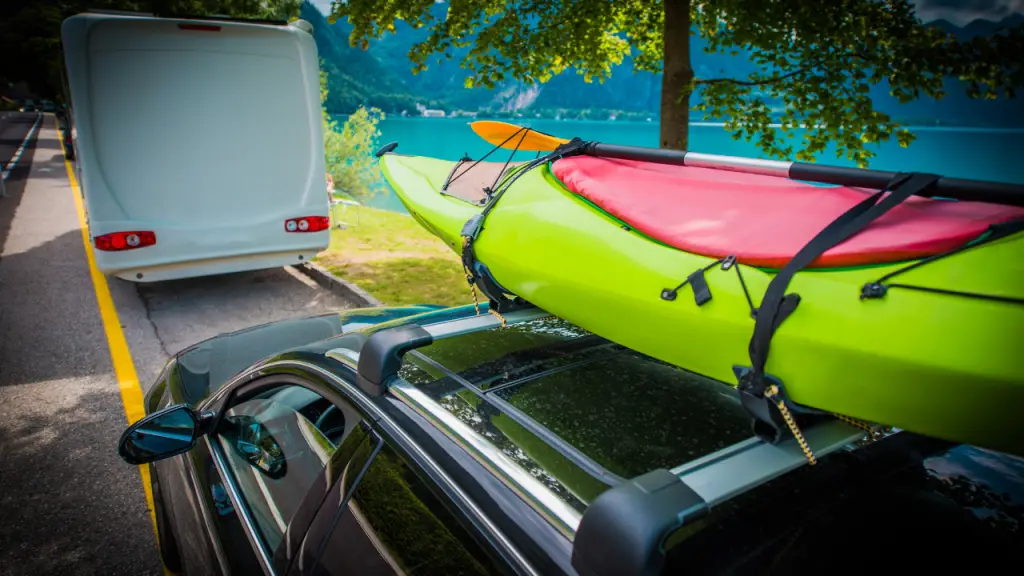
278	445
395	524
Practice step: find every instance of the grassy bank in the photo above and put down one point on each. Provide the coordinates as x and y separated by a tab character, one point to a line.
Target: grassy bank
390	256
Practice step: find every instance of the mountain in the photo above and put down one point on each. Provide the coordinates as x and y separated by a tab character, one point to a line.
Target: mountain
354	77
382	76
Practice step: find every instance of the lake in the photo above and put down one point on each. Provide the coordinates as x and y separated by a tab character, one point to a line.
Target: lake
979	153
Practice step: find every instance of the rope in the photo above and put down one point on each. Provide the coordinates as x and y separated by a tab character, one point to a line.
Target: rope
504	322
878	288
493	150
773	392
471	281
727	263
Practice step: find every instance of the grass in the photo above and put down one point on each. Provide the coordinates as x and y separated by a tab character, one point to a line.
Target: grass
393	258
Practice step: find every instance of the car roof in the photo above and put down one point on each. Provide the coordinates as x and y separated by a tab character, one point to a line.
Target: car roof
578	414
569	415
575	403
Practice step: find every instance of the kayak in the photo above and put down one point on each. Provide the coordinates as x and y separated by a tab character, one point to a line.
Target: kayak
607	245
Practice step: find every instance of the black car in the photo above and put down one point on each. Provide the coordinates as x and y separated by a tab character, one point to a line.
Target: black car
426	440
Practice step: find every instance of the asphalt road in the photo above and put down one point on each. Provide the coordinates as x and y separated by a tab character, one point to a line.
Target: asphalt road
67	502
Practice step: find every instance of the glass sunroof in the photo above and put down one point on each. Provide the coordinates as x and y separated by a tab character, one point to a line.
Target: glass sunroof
625	411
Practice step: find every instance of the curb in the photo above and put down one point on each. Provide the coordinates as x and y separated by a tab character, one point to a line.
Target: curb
342	288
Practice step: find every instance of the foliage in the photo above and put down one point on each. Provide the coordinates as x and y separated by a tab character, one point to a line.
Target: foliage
349	149
393	258
815	63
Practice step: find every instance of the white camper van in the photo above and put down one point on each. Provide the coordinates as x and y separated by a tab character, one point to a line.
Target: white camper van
199	143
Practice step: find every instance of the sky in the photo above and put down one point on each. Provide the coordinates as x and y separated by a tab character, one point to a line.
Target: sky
958	12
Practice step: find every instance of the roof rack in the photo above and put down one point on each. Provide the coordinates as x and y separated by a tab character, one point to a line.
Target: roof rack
623	531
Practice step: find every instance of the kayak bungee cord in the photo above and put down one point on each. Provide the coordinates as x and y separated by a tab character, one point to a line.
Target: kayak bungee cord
477	273
845	249
878	288
701	290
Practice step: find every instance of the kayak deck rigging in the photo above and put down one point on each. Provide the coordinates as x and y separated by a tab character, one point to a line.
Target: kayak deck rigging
952	228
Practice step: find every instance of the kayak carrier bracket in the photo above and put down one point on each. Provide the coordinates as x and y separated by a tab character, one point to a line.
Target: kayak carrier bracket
478	275
773	414
630	528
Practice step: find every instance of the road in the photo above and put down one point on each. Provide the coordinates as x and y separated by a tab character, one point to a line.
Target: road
67	502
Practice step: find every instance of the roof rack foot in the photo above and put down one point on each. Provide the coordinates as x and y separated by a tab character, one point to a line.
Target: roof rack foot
623	531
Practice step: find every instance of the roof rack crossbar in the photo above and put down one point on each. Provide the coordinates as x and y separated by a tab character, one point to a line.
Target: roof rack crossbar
381	355
568	451
748	464
623	530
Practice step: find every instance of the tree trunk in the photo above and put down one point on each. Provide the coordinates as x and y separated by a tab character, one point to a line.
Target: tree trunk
676	76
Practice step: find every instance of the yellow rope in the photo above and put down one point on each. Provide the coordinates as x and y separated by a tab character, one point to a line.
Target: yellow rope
773	392
854	422
500	317
874	432
469	279
472	290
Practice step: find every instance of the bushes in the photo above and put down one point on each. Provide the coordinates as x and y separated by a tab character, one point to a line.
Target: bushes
349	149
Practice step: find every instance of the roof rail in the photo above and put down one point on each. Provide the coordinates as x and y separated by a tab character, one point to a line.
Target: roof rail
623	531
381	355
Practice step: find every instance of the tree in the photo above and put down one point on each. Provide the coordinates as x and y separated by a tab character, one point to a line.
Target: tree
349	149
30	29
816	61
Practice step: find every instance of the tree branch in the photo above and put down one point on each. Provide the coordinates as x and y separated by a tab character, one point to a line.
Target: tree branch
758	82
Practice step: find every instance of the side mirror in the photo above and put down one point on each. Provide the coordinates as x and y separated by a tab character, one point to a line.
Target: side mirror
254	442
160	435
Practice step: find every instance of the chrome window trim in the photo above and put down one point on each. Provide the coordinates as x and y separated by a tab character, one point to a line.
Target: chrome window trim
357	397
248	524
559	514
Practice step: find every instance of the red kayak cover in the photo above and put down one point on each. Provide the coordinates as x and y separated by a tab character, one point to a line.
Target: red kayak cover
765	220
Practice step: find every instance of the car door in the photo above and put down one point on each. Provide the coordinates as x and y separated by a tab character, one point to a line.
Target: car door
385	517
278	448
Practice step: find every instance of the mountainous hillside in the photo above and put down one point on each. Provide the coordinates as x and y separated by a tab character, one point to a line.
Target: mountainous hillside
382	76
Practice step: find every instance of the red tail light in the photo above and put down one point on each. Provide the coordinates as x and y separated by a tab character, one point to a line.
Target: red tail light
307	224
116	241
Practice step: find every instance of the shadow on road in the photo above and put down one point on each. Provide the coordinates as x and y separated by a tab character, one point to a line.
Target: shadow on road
49	328
69	504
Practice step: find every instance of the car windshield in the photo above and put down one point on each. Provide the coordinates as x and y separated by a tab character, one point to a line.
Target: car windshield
528	384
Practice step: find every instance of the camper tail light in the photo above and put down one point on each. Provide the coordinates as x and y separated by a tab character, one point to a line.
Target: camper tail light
307	224
116	241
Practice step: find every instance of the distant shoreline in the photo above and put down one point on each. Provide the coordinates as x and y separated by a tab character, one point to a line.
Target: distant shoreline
524	120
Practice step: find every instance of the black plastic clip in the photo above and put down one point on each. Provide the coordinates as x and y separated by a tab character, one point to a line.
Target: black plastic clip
385	149
768	422
873	290
471	229
701	290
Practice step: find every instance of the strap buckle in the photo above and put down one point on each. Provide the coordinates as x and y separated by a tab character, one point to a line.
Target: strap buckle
769	424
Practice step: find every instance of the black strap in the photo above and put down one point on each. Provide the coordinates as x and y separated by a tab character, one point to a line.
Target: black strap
776	305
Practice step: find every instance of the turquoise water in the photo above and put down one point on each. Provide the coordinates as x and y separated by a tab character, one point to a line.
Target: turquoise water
984	154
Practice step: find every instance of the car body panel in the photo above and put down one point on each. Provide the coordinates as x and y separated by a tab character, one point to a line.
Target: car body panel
901	475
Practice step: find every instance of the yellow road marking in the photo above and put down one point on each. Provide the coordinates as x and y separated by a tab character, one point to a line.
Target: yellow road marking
120	355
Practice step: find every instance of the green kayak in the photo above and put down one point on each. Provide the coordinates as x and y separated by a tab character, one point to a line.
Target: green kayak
672	262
